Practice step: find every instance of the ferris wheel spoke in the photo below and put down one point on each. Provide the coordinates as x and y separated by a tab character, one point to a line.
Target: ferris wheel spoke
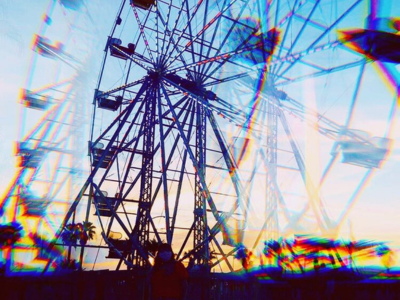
183	31
132	184
312	190
171	33
290	14
242	197
287	19
304	110
354	99
142	57
201	32
49	115
232	117
285	81
156	233
232	109
335	151
225	60
207	75
142	33
315	42
331	131
192	158
132	58
291	57
164	170
306	22
235	23
166	26
156	148
226	79
190	34
205	14
132	154
157	33
125	114
117	204
121	88
220	58
221	251
165	114
329	166
299	34
354	197
183	165
105	236
228	114
171	39
60	57
212	232
202	70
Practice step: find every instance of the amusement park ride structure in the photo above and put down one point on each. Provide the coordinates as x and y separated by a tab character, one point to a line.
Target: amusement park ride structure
51	148
179	100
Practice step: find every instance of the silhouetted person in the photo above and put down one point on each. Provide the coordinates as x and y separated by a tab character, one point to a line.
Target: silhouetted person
168	276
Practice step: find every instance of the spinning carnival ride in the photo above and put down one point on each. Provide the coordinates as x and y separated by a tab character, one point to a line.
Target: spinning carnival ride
204	86
217	123
51	147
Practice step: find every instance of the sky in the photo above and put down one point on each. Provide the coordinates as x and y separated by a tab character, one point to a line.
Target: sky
366	200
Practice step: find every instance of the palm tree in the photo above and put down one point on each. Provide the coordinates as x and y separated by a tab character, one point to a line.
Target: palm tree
10	233
81	231
69	235
245	256
191	256
89	229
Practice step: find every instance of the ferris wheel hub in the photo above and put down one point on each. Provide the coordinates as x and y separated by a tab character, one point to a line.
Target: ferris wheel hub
194	87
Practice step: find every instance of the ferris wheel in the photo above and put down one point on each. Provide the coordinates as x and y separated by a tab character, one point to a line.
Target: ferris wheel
51	143
198	120
312	107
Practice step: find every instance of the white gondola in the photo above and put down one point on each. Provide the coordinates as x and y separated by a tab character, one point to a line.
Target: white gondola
364	151
29	157
35	101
